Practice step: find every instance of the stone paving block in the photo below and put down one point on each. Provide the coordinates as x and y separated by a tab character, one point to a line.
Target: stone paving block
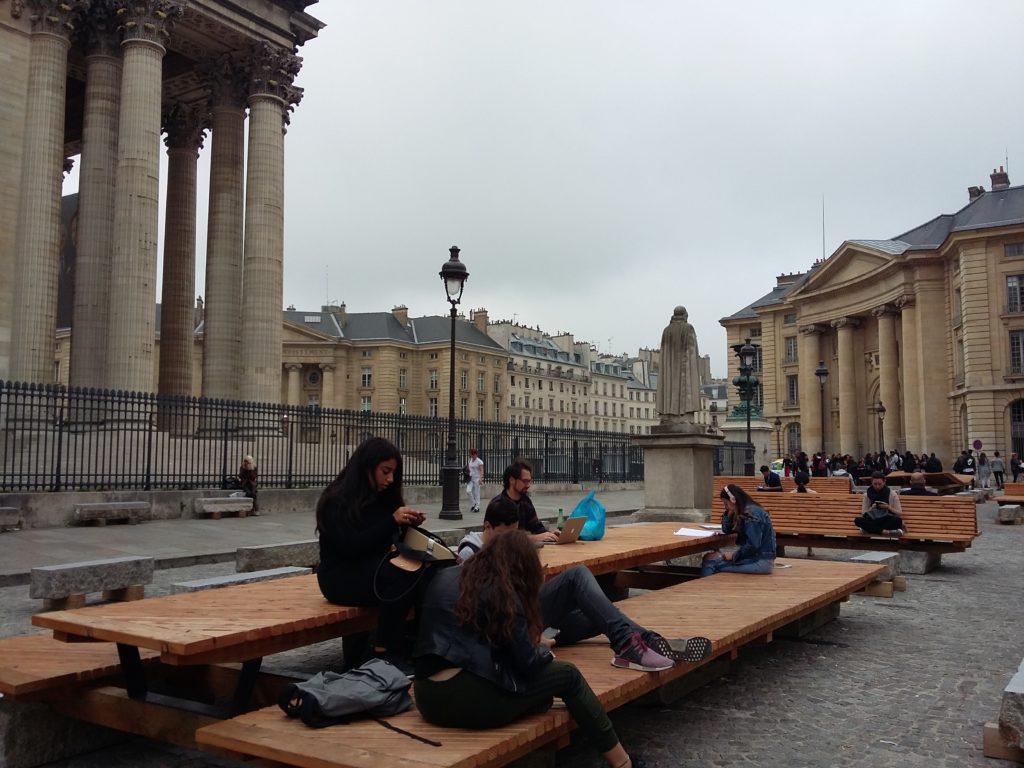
918	562
10	517
222	505
54	582
891	561
1010	514
304	553
104	511
238	578
1011	712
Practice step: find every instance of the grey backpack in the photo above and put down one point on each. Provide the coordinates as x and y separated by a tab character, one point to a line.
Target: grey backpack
374	689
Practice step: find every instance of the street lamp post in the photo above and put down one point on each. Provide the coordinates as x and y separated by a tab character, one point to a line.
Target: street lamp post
778	437
454	275
822	373
745	384
880	410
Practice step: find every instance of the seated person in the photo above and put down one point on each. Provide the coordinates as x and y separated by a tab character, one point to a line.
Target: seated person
772	482
880	510
574	603
918	487
481	660
802	479
516	487
755	536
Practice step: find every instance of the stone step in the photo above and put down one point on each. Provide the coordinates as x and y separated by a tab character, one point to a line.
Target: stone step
102	512
238	578
305	553
1011	514
66	585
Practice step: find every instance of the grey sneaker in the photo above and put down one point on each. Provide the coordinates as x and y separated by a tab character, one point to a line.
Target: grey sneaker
637	654
894	532
689	649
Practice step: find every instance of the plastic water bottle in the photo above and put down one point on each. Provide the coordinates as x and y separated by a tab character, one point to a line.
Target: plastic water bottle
561	519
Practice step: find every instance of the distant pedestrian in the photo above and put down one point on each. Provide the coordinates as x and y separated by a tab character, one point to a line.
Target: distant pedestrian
247	479
475	472
1015	466
998	469
918	487
984	471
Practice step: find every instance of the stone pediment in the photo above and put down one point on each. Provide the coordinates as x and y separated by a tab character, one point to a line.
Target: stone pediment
849	265
297	334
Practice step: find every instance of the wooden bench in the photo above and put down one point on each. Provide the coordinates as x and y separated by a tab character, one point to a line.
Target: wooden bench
936	525
218	506
759	606
822	485
1013	493
66	585
103	512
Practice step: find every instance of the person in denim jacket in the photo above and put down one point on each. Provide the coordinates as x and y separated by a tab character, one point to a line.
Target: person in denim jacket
755	536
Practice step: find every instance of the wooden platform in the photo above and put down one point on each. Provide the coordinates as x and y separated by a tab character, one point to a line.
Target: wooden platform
731	609
822	485
941	524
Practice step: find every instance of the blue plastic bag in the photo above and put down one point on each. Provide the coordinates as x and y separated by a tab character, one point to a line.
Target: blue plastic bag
593	510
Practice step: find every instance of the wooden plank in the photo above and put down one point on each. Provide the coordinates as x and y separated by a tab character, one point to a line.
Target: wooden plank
994	746
731	609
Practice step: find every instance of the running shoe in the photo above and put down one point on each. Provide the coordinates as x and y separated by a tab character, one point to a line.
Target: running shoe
636	654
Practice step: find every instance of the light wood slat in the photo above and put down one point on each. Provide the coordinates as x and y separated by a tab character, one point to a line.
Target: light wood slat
823	485
731	609
242	621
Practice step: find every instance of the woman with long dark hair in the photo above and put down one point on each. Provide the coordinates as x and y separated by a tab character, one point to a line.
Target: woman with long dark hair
755	536
358	518
481	661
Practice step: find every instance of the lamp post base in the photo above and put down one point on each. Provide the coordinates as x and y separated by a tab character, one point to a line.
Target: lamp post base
450	492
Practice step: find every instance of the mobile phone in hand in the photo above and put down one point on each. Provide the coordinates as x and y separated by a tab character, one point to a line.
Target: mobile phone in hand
550	633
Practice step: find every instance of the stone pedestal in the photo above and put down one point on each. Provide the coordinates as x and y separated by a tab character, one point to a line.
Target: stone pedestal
762	436
919	562
678	467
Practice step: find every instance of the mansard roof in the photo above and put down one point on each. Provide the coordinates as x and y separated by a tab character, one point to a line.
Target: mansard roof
384	326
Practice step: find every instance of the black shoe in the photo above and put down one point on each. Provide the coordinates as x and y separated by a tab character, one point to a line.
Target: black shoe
635	761
689	649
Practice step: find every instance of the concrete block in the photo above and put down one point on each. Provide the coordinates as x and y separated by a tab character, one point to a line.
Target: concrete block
103	512
891	561
238	578
31	734
1010	514
918	562
60	581
304	553
1011	711
10	517
812	622
222	505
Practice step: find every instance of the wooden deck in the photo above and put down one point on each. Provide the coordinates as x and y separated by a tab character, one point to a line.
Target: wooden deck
821	485
731	609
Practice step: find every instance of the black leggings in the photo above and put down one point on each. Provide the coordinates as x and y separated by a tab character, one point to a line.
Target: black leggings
469	701
876	525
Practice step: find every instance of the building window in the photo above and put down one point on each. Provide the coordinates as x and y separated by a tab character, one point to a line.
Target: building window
480	410
789	318
366	378
402	409
497	411
958	307
793	437
464	379
403	355
432	407
1011	250
479	382
364	404
432	378
791	355
755	332
403	378
433	355
551	405
512	401
497	383
367	353
792	391
1015	293
1016	351
604	387
464	409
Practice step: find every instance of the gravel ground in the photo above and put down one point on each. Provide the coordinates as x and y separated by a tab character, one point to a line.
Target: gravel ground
904	682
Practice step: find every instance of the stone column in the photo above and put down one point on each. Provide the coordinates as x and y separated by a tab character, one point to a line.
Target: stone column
37	243
184	126
911	364
272	72
147	25
847	378
294	382
96	198
811	353
222	331
327	399
933	346
889	375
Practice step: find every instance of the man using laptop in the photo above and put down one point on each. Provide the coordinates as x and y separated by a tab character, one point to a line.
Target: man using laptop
573	603
516	481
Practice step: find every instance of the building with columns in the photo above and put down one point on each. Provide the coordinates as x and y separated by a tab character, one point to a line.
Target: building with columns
929	325
106	80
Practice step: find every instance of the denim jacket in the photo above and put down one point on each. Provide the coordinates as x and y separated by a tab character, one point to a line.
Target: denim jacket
755	536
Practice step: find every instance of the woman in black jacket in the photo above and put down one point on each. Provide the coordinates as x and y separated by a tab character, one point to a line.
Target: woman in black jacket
481	661
358	518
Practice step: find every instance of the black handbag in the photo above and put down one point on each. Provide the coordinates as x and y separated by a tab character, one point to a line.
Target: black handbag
415	550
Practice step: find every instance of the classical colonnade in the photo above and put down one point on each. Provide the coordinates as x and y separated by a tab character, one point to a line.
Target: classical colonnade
125	113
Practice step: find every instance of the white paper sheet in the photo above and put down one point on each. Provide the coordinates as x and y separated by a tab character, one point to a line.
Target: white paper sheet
696	532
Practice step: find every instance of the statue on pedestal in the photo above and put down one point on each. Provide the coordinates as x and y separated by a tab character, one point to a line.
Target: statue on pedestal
678	393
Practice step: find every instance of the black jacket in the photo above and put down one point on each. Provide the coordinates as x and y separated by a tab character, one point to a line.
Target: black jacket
528	520
510	666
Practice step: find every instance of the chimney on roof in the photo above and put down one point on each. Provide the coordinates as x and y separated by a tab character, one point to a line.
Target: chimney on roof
1000	179
479	318
401	313
973	193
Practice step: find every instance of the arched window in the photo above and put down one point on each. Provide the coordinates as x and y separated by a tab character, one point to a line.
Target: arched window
1017	426
793	437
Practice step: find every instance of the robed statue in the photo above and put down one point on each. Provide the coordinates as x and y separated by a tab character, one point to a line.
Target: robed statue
678	394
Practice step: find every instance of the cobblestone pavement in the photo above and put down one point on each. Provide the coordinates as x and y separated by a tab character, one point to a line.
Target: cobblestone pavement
893	683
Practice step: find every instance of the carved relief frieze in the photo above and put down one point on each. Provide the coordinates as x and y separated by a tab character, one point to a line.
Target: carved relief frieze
272	71
185	125
54	17
149	20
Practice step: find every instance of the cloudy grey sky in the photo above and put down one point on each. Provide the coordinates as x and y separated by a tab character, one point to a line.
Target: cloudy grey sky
601	161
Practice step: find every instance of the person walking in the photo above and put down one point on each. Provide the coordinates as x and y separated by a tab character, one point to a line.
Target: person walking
1015	466
475	470
998	469
984	471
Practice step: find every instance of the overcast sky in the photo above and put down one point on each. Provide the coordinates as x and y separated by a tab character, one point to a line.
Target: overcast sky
600	162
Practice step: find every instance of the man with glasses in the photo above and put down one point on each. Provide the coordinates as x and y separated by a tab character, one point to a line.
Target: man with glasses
516	481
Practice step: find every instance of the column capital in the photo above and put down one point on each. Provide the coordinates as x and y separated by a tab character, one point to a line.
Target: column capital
885	309
17	8
102	29
228	81
296	367
814	329
846	322
185	125
904	301
271	72
149	21
327	367
53	17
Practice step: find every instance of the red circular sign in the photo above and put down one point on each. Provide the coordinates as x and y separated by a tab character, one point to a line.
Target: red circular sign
977	445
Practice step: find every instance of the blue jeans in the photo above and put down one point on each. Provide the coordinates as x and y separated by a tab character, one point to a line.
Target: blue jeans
721	565
574	603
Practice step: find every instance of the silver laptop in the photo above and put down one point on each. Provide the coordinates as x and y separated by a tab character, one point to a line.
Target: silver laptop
571	530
